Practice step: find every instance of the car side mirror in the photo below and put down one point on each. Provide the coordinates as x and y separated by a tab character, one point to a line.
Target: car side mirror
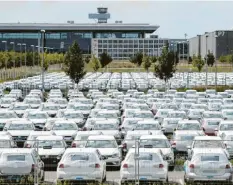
188	147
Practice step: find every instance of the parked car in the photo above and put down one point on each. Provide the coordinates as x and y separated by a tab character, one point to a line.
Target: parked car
81	165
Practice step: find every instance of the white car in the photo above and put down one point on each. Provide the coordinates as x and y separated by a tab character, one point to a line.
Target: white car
152	166
19	130
159	142
211	142
19	108
224	126
50	108
227	114
67	129
208	165
107	147
169	124
50	149
17	164
81	164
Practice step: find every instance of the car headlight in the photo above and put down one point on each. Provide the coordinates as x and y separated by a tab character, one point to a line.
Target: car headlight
115	155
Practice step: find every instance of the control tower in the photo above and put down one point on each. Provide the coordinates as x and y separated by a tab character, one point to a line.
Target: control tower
102	15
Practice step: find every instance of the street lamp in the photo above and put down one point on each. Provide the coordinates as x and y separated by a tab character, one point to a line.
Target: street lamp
12	43
216	72
4	41
20	48
42	63
33	52
206	66
25	56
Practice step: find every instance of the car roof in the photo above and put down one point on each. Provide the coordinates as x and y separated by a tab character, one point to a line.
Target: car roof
5	137
49	137
146	150
17	150
64	122
148	121
24	121
37	133
207	138
226	122
81	150
153	137
188	121
101	137
187	132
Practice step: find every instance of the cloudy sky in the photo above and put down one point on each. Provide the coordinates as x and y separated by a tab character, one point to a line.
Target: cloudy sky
174	17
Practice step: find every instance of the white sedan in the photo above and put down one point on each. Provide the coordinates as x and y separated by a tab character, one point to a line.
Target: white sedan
152	166
81	164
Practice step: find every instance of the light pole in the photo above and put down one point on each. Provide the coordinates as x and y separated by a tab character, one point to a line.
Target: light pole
4	41
206	66
33	52
12	43
20	48
216	70
42	64
25	56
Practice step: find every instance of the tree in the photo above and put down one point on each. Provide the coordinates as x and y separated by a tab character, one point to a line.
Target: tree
137	59
146	63
166	66
87	59
230	59
210	59
95	63
198	62
74	65
153	59
105	59
222	59
190	60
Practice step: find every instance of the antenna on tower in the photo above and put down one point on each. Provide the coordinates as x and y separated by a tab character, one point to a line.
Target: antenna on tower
185	35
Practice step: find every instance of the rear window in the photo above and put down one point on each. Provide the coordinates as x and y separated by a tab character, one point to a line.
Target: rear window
186	138
209	158
145	157
79	157
214	123
16	158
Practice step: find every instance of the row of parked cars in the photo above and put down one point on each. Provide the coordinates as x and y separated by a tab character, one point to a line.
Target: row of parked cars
121	81
102	130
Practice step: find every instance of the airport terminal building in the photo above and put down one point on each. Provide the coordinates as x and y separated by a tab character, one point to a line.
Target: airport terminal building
120	40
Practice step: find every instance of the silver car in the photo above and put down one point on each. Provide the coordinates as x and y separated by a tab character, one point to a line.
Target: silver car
208	165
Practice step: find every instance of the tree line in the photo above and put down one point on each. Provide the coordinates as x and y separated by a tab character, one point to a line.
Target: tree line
10	59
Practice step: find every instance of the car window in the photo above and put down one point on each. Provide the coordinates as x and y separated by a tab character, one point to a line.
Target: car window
105	127
154	143
208	144
15	126
186	138
209	158
53	144
101	144
65	126
188	126
226	127
79	157
147	127
16	158
37	116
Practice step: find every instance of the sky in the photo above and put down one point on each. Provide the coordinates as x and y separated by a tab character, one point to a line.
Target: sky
175	18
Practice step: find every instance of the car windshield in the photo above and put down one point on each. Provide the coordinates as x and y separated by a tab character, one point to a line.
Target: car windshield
106	127
20	107
79	157
228	113
72	115
209	158
188	126
6	101
211	115
147	127
213	123
143	115
30	101
106	115
208	144
16	158
46	108
5	143
101	144
65	126
186	138
154	143
226	127
57	101
7	115
175	115
53	144
15	126
37	116
81	108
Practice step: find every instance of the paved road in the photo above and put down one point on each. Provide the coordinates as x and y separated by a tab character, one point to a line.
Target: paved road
113	177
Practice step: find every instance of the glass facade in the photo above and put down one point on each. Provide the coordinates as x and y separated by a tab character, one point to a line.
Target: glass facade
123	49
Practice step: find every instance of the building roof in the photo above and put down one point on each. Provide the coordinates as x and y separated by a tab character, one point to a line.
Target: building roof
77	27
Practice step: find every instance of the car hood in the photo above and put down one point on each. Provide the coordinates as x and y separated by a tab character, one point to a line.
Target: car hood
76	120
53	151
109	132
65	132
19	111
108	151
19	132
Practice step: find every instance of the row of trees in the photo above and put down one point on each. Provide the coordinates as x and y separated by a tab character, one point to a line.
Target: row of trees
226	59
14	59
